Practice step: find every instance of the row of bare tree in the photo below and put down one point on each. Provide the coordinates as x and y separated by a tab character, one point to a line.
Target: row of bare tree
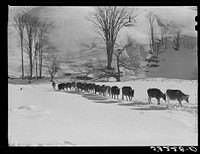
107	21
33	34
166	30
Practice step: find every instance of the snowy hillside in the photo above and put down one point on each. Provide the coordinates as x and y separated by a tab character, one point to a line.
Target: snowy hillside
73	35
181	64
38	115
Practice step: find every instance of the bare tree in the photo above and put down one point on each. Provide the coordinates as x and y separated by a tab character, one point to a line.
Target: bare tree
19	24
43	43
129	61
151	17
163	30
31	25
108	21
53	67
36	46
175	30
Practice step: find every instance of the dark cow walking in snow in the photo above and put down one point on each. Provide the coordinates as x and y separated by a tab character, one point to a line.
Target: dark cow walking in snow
98	89
128	92
90	87
155	93
73	85
115	92
79	86
103	90
61	86
176	95
68	85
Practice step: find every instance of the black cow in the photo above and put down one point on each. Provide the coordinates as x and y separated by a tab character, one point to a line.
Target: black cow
115	91
73	85
98	89
90	87
128	92
103	90
61	86
68	85
79	86
155	93
84	87
176	95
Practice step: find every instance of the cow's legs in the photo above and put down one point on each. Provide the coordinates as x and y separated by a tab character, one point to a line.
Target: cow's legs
179	102
158	100
167	101
122	97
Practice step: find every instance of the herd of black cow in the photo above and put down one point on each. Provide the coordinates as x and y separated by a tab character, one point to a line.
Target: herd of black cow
127	91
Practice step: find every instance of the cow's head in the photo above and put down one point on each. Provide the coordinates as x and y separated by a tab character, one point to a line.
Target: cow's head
187	98
164	97
132	93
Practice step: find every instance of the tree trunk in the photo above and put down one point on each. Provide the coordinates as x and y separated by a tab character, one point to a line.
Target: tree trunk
41	63
152	37
36	69
109	61
30	62
31	67
118	79
40	59
109	56
165	42
162	39
118	70
22	57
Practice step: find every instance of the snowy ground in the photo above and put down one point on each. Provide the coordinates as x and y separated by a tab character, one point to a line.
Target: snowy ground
38	115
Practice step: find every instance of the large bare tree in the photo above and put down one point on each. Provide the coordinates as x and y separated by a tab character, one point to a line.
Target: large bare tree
175	30
163	31
19	24
151	18
31	25
53	66
108	21
43	44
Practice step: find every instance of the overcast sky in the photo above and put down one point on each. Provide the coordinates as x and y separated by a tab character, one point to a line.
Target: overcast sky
71	26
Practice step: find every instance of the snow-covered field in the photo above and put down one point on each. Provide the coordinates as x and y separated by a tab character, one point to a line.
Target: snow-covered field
38	115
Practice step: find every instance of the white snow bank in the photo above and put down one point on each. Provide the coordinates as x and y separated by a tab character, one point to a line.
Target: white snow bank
30	110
